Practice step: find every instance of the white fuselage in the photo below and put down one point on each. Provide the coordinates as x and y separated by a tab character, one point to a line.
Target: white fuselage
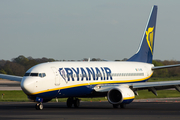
62	76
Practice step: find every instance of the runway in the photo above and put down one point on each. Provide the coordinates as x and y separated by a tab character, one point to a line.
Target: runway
91	111
147	109
9	85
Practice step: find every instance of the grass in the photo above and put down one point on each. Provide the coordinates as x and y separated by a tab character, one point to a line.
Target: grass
15	95
19	96
144	94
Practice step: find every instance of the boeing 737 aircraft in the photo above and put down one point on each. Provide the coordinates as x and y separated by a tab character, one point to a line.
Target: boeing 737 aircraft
119	81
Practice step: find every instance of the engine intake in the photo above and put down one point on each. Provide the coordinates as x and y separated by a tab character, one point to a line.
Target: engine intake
121	94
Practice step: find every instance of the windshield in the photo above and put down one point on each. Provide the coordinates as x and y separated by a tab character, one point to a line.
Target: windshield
35	74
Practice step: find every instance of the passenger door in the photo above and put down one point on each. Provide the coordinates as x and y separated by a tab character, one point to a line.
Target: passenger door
56	74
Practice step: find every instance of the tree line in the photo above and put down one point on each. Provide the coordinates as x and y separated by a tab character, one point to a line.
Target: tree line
18	66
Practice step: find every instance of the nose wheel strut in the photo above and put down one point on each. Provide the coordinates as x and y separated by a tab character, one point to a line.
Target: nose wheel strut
39	106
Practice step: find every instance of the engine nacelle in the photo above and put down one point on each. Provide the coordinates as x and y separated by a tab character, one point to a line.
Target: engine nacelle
121	94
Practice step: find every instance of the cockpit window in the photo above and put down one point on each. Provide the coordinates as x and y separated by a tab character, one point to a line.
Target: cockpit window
26	74
35	74
42	74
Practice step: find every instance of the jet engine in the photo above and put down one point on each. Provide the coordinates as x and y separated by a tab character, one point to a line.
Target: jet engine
120	94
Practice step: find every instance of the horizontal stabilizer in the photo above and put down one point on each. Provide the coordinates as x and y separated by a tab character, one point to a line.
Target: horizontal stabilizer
11	77
166	66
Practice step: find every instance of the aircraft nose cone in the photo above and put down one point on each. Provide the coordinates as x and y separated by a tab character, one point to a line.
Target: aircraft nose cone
27	85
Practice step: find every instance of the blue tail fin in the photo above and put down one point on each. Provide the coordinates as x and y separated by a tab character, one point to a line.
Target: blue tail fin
145	51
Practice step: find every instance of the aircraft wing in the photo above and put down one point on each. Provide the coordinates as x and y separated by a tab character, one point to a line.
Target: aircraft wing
151	86
11	77
156	85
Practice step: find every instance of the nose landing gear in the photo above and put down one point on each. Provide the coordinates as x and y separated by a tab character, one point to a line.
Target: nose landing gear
39	106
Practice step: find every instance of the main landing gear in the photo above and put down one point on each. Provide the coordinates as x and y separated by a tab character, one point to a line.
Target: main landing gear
122	105
71	101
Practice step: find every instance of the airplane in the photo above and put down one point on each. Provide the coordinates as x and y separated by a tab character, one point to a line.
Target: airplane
119	81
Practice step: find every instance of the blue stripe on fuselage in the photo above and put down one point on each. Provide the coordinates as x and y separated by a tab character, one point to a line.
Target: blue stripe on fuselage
80	91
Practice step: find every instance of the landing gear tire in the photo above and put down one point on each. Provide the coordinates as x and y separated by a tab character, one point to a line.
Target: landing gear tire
39	106
115	105
69	102
123	105
76	103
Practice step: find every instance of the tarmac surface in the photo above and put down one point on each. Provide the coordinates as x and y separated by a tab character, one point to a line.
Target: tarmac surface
9	85
90	111
147	109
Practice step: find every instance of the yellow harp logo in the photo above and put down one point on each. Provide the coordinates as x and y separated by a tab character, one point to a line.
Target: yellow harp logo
149	38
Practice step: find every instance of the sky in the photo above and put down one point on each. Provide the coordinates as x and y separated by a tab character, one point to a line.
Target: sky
77	29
